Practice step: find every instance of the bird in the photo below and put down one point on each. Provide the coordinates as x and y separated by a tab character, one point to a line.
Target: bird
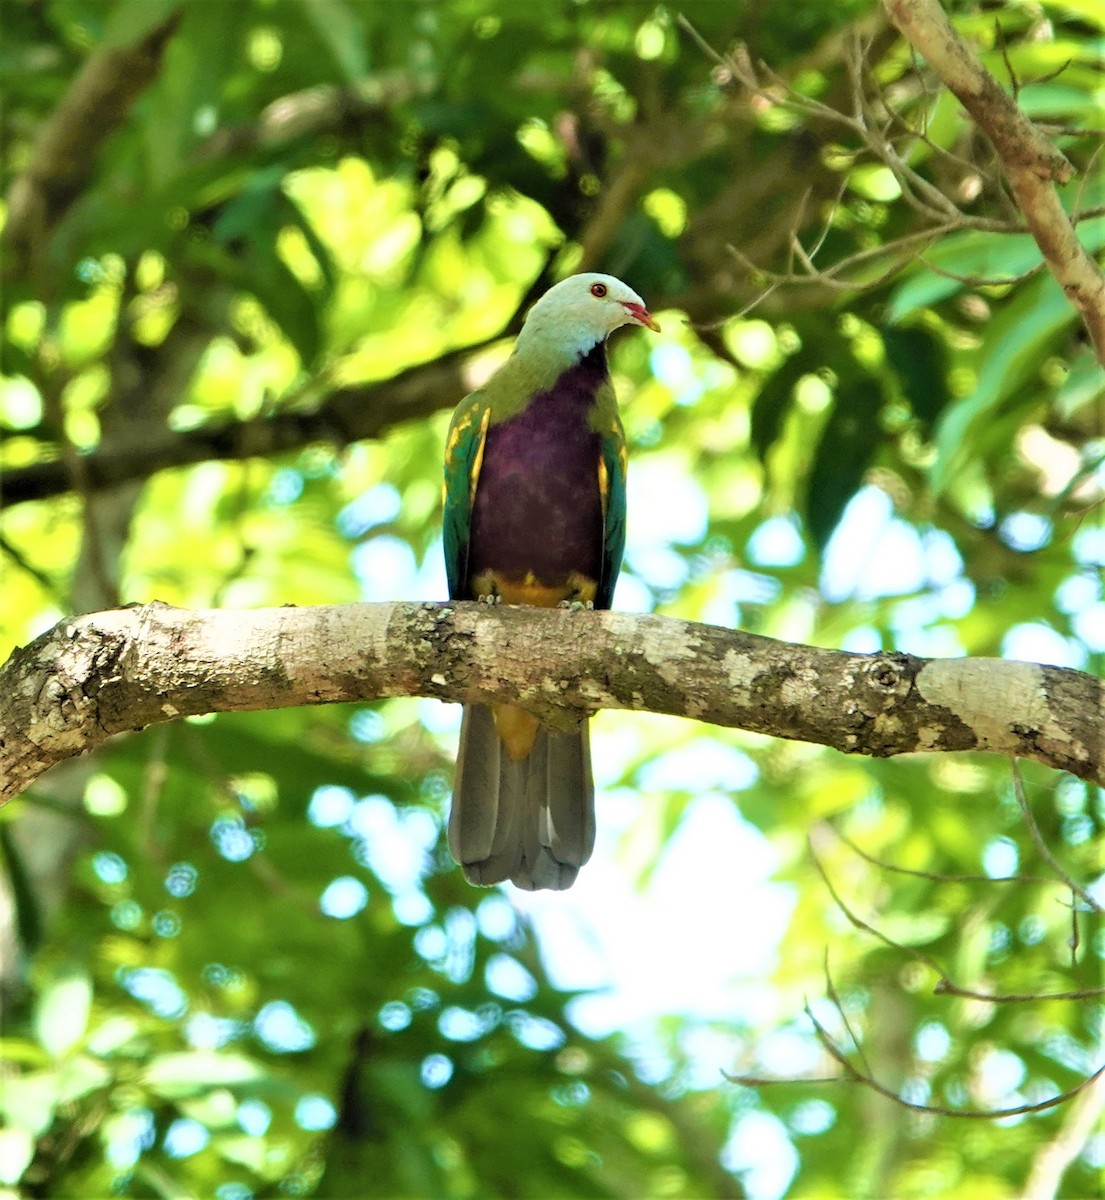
534	500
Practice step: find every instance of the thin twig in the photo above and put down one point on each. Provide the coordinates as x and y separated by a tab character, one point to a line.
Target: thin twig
978	1114
933	876
1041	843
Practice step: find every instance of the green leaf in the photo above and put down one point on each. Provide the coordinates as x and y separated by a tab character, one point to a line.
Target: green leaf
847	444
193	1071
79	1076
1014	347
342	30
61	1012
920	360
769	409
17	1149
28	1101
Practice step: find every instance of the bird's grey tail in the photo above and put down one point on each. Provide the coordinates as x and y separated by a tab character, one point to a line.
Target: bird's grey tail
531	821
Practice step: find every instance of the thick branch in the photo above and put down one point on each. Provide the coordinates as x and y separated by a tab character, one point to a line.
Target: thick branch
1031	163
347	415
94	676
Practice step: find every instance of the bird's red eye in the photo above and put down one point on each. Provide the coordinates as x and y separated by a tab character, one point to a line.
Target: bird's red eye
598	289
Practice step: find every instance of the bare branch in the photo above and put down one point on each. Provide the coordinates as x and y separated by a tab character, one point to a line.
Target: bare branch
1043	847
947	988
944	985
932	876
347	414
978	1114
104	673
1031	163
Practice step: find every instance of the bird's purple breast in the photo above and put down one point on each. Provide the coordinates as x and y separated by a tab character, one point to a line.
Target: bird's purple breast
537	509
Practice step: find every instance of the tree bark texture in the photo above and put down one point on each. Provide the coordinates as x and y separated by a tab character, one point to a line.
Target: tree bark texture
94	676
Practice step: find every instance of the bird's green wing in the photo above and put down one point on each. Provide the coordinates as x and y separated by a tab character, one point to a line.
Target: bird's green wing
463	459
612	477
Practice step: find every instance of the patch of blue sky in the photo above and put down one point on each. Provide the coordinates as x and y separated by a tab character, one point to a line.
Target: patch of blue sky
205	1031
932	1041
760	1152
1089	545
385	568
440	718
1025	531
535	1033
812	1117
158	990
431	582
674	367
1078	592
461	1025
330	805
751	587
506	977
787	1052
378	506
1000	858
412	908
776	542
315	1113
343	898
496	917
659	566
665	503
181	880
436	1070
460	935
393	846
699	766
109	867
863	639
254	1117
943	562
430	943
282	1030
231	838
185	1137
928	643
872	553
367	725
1001	1072
1089	626
285	486
632	595
129	1133
1033	641
956	599
639	951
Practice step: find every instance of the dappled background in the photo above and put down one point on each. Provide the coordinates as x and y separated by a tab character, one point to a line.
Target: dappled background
254	254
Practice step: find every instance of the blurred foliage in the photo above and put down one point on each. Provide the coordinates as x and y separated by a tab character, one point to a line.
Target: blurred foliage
237	959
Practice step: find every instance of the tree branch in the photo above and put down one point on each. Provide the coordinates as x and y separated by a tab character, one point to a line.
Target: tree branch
346	415
97	675
1031	163
65	151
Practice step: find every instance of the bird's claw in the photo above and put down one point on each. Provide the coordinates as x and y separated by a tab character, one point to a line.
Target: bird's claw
577	605
494	598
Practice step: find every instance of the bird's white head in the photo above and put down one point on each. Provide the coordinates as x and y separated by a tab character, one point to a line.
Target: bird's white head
583	310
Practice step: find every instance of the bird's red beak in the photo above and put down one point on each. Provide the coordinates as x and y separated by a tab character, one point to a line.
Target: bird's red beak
639	313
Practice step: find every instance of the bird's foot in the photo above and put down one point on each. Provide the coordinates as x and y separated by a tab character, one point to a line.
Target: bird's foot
577	605
494	598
